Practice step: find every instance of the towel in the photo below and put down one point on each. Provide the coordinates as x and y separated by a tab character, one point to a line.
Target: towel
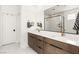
76	24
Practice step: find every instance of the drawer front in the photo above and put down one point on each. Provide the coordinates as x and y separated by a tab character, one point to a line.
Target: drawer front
68	47
39	37
36	36
39	50
60	51
35	42
56	43
40	43
49	49
30	34
32	43
72	49
32	40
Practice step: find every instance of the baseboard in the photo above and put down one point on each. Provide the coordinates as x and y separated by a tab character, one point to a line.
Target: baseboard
9	43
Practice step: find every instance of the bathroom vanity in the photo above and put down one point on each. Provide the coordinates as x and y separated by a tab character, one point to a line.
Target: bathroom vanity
52	43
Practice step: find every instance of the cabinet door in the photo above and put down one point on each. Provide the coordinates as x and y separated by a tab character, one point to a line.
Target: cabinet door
35	42
40	43
48	49
30	43
39	50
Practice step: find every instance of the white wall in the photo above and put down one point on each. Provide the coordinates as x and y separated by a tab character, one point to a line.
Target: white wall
32	13
0	27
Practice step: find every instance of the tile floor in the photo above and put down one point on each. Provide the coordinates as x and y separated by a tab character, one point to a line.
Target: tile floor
15	49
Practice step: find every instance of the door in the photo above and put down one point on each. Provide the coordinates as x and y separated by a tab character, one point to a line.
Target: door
9	28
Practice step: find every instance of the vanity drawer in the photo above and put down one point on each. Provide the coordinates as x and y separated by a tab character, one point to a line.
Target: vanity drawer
71	48
48	49
32	42
54	42
39	50
29	34
40	43
65	46
40	37
32	35
36	36
51	49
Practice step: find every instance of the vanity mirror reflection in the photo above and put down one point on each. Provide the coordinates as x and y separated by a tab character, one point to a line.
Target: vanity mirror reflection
61	18
53	23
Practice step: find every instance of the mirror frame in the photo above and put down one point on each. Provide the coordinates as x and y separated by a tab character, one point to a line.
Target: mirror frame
63	24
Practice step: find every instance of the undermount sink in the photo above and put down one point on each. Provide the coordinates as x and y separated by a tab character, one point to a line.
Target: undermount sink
50	34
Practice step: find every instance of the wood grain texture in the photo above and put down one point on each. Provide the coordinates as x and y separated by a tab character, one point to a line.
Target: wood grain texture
44	45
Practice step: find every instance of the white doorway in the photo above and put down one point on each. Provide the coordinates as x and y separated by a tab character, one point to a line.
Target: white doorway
9	29
10	22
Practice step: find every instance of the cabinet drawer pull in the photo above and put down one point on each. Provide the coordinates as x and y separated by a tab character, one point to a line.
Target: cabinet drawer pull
39	47
39	40
56	46
32	36
35	38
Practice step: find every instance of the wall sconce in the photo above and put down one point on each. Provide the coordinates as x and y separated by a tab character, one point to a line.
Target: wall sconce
30	24
39	24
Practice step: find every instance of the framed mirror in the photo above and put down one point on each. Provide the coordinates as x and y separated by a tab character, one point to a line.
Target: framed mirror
61	18
53	19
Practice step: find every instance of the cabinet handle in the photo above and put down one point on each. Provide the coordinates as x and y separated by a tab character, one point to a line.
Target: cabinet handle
39	47
39	40
56	46
32	36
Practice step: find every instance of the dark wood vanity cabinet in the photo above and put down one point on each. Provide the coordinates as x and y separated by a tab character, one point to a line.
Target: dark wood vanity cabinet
44	45
35	42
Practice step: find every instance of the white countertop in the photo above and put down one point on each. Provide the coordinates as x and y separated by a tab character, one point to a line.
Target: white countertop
67	38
